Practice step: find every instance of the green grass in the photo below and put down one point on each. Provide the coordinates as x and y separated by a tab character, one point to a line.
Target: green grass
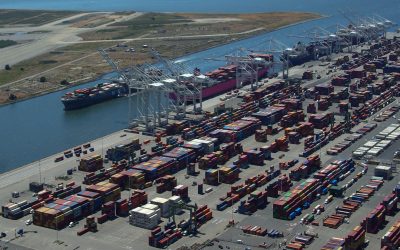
142	25
6	43
153	19
31	17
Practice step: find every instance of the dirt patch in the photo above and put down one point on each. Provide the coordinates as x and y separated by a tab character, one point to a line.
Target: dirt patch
216	20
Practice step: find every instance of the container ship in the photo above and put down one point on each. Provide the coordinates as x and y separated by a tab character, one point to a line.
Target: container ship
351	35
223	79
81	98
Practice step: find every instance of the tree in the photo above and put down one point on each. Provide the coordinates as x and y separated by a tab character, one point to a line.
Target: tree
42	79
7	67
64	82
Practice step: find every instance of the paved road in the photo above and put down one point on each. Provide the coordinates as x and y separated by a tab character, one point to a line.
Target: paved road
165	37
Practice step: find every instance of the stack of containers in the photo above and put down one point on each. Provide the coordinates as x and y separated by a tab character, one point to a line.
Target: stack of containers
305	192
261	135
181	191
161	239
165	183
122	207
196	146
294	137
208	161
138	198
355	239
331	173
347	208
283	184
96	199
93	178
50	218
239	191
45	195
257	200
108	209
334	243
62	193
157	167
164	205
224	135
123	151
293	104
390	203
324	88
311	109
291	119
255	230
211	177
303	171
15	211
130	178
333	221
282	143
242	162
270	115
91	225
144	218
391	239
228	174
374	221
228	150
91	163
203	214
255	157
305	129
109	191
183	156
83	208
320	121
174	200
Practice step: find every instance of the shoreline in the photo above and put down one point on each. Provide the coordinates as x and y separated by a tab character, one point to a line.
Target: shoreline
173	59
34	164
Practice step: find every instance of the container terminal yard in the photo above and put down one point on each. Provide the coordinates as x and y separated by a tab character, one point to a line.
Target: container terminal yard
293	164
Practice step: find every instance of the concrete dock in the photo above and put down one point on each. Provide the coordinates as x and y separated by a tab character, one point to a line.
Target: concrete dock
119	234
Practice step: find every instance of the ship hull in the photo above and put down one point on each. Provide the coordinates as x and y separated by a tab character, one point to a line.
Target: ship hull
72	104
227	86
221	88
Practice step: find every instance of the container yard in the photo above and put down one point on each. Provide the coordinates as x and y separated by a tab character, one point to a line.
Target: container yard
306	164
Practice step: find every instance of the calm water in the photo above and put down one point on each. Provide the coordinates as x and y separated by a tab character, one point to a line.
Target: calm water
39	127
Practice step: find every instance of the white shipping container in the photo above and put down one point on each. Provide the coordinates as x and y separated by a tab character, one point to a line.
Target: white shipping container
358	154
153	207
380	136
370	144
164	205
175	200
362	149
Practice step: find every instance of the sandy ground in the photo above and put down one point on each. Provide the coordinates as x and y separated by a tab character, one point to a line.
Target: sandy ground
54	35
216	20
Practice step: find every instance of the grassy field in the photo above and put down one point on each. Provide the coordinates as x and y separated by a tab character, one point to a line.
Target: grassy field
139	26
6	43
31	17
154	25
